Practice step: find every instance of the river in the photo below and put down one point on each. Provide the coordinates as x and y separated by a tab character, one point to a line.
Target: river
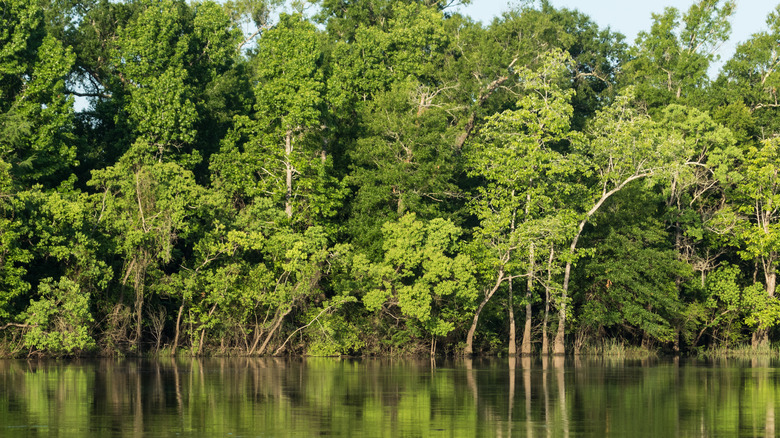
306	397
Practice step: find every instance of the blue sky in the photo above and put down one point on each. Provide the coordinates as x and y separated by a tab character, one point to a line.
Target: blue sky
630	17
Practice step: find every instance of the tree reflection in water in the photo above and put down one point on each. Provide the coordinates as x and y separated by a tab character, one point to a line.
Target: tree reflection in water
389	397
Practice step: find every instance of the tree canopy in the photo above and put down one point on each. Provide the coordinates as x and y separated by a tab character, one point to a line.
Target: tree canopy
382	177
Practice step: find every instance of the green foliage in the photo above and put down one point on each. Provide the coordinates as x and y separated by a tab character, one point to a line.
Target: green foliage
633	280
758	191
241	183
13	267
764	310
36	116
724	304
421	274
670	62
333	334
404	162
59	322
289	76
750	80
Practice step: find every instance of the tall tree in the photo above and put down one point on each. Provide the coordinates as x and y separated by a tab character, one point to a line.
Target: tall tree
624	146
516	157
670	62
756	197
749	85
36	116
289	103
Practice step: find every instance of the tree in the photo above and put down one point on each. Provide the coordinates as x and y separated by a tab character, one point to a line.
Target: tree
516	156
404	162
694	193
422	275
756	197
624	145
146	206
631	278
36	115
671	61
59	321
749	84
289	99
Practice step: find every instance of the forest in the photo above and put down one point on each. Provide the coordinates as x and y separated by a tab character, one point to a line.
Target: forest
383	177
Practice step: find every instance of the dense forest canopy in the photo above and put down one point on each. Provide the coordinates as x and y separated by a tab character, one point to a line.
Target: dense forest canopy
382	177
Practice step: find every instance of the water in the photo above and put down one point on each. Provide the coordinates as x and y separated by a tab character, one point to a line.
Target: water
388	398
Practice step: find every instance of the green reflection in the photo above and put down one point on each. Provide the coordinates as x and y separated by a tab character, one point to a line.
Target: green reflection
518	397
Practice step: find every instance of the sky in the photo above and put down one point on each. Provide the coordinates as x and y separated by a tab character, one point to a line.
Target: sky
630	17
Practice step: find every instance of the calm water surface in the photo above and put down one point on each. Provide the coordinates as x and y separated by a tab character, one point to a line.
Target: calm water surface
388	398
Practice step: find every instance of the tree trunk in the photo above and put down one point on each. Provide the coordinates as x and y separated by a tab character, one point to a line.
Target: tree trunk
140	279
277	323
761	335
558	344
203	331
512	328
483	96
178	326
288	149
545	322
526	346
470	336
760	338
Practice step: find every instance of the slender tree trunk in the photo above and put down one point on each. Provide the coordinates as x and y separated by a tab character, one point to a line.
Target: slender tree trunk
140	279
526	347
203	331
275	327
258	336
178	328
770	275
559	346
761	335
470	336
512	325
288	149
558	343
545	322
483	96
200	342
281	347
512	328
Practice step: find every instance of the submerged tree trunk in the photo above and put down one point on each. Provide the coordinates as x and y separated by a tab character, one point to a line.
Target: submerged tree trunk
559	342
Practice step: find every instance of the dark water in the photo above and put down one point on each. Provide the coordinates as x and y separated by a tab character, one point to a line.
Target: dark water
388	398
